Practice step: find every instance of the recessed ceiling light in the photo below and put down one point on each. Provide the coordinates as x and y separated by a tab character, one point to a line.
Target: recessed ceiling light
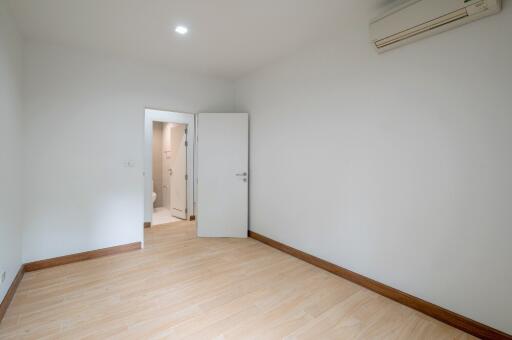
181	30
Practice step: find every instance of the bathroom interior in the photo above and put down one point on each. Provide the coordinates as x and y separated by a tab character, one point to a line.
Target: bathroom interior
169	173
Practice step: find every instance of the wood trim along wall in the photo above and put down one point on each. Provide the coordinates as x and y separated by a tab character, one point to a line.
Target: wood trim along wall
10	293
58	261
147	225
88	255
453	319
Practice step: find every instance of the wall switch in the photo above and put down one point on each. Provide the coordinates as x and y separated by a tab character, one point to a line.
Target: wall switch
3	277
129	164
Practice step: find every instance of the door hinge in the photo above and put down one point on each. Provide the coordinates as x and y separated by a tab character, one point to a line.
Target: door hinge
186	143
186	211
186	130
186	177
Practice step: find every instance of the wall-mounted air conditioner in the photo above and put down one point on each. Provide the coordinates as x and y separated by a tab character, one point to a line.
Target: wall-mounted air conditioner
418	19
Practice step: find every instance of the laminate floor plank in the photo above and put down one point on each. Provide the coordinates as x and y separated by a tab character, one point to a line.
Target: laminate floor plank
183	287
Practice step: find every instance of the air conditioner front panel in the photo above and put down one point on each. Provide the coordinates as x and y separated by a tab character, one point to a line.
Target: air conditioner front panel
409	33
417	12
418	19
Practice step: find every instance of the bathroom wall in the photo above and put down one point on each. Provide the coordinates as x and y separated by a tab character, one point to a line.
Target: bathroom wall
161	163
85	139
166	165
157	163
10	148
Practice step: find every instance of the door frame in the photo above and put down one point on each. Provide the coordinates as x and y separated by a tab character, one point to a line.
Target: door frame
156	115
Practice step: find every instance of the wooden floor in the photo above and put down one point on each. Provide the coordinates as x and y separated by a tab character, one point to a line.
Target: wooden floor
182	287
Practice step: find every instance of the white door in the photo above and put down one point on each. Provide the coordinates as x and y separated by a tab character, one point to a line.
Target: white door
179	172
222	174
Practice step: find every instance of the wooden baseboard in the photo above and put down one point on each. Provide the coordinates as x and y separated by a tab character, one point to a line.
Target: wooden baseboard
58	261
88	255
453	319
147	225
10	293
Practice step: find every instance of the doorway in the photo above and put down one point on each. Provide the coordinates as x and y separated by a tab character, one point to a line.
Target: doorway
169	167
216	179
169	173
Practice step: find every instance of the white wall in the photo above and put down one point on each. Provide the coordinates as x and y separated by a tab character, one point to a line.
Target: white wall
10	149
84	119
397	166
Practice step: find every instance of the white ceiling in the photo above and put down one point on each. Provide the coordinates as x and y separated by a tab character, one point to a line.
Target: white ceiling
226	38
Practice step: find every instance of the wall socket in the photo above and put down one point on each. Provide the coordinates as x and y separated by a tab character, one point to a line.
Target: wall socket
3	277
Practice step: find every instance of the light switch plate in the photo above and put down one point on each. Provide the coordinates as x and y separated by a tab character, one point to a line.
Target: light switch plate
129	164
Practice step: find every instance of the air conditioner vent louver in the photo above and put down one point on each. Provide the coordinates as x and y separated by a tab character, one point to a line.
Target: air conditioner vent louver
421	18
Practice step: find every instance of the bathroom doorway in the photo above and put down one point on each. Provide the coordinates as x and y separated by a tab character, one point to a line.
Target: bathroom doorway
219	158
169	167
169	172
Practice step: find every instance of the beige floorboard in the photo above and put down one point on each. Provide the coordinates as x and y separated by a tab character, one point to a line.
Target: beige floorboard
183	287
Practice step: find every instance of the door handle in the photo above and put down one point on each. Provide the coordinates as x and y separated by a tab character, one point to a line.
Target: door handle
244	174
